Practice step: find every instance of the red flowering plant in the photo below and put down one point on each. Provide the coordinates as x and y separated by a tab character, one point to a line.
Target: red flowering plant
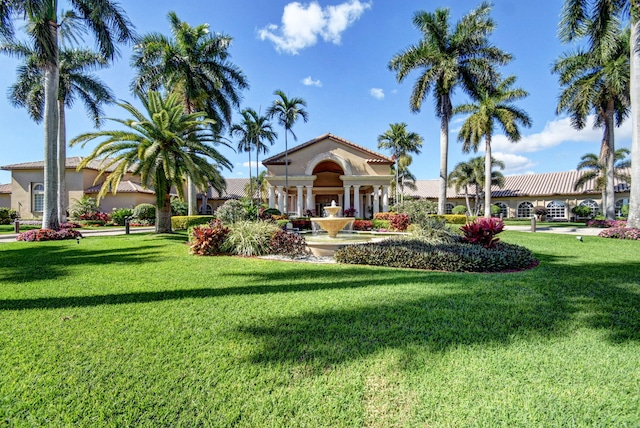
483	231
349	212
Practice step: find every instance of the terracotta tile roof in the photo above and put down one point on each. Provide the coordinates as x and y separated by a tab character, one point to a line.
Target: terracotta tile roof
5	188
235	189
70	163
126	186
374	156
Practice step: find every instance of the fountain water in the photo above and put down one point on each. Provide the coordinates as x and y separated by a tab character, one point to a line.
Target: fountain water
332	224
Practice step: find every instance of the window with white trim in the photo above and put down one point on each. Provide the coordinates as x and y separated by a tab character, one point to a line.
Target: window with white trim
556	209
525	210
37	197
448	208
504	209
593	206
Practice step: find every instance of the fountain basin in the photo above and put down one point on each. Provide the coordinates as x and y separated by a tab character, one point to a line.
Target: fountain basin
332	225
323	245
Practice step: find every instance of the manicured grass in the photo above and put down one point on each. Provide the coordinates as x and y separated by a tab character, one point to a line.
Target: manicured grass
9	228
133	331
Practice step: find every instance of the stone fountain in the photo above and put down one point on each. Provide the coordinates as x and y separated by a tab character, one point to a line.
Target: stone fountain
331	223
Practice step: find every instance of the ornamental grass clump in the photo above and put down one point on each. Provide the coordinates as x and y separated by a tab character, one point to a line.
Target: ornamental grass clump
483	231
419	254
249	238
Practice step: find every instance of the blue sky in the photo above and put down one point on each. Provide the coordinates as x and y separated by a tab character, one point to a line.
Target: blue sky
334	54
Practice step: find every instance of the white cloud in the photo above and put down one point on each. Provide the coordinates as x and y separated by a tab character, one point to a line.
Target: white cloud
302	24
555	133
308	81
252	165
376	93
513	164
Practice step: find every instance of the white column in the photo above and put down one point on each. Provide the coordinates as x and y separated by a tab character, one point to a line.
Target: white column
376	199
300	200
356	200
385	198
309	198
272	197
280	199
347	197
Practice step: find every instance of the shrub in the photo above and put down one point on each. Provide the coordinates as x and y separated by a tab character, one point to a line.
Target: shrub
179	207
625	210
37	235
207	240
7	215
70	225
418	210
606	223
384	216
301	223
184	222
581	211
231	211
249	238
399	222
459	209
349	212
434	231
453	218
620	233
118	215
145	212
483	231
95	217
380	224
362	225
282	223
289	244
267	213
540	211
495	210
418	254
84	206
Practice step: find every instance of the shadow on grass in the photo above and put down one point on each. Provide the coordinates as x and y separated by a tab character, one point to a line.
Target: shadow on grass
51	260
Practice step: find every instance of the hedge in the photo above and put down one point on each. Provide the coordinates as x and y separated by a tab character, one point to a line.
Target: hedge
184	222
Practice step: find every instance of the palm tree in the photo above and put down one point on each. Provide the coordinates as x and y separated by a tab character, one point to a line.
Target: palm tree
595	20
108	25
401	143
448	58
195	64
493	104
259	183
287	111
263	132
472	173
244	131
595	169
75	83
597	81
164	147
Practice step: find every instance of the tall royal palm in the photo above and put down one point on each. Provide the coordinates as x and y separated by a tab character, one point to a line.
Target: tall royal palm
597	82
593	20
287	111
106	22
493	105
402	144
595	169
472	173
163	145
195	64
76	83
447	58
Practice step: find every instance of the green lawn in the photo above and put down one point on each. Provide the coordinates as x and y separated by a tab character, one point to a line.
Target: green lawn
9	228
133	331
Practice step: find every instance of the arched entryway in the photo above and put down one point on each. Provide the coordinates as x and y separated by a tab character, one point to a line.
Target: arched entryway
327	185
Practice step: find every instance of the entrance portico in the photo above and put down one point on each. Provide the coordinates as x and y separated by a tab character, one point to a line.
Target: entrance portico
325	169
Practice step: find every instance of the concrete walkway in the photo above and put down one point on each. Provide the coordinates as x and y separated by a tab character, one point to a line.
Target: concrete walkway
11	237
586	231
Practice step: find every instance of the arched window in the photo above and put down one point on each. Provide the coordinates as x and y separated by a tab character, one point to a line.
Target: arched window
37	197
525	210
619	204
208	210
448	207
556	209
593	206
504	209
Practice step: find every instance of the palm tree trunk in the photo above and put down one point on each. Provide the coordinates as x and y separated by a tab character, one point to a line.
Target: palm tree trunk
286	174
610	213
163	215
466	198
51	82
250	178
634	200
62	157
444	152
487	177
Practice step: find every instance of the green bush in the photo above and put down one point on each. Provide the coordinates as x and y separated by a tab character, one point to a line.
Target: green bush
581	211
179	207
83	207
145	212
459	209
118	215
418	254
453	218
249	238
282	223
7	215
435	231
231	211
381	224
418	210
625	210
494	210
184	222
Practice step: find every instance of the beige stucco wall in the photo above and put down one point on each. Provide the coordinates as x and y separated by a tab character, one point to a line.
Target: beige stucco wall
5	200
